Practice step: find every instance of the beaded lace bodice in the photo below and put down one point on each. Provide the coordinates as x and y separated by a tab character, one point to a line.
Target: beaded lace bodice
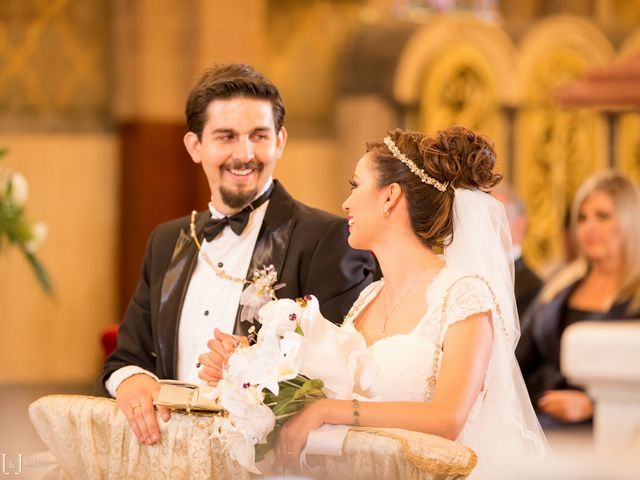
407	362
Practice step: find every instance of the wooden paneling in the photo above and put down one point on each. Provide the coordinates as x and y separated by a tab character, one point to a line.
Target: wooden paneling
159	183
73	188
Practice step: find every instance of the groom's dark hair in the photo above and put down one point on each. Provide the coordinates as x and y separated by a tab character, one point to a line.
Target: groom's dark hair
224	81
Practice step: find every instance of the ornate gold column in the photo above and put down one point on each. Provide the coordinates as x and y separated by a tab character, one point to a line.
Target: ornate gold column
628	134
556	149
459	70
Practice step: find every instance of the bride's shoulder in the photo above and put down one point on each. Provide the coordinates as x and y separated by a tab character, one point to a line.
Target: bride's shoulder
450	275
455	280
461	294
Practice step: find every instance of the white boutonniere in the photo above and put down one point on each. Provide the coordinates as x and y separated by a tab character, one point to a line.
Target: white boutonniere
261	290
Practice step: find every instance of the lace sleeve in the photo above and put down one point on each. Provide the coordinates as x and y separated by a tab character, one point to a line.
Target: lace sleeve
467	296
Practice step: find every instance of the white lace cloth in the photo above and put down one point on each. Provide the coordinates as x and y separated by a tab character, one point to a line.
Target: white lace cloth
90	438
405	361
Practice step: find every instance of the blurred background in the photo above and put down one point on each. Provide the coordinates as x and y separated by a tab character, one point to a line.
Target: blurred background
92	97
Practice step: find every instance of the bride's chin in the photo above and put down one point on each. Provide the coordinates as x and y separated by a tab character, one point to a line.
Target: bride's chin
355	244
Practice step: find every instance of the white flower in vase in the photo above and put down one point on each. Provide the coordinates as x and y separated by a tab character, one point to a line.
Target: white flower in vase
18	189
39	233
15	228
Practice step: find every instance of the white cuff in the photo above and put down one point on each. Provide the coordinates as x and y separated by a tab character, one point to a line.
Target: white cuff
120	375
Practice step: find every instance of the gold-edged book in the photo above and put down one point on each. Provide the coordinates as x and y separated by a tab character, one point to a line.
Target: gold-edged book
185	396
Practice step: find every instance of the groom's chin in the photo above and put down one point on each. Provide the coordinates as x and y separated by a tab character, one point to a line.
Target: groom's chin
237	198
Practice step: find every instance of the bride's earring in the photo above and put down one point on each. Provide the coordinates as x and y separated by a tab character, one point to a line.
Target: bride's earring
389	201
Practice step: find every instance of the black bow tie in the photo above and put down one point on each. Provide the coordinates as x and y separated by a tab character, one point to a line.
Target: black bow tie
238	221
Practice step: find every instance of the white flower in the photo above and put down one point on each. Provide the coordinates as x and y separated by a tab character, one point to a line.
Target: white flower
236	398
19	189
289	364
249	422
294	340
258	421
278	317
242	450
39	232
236	442
328	352
255	365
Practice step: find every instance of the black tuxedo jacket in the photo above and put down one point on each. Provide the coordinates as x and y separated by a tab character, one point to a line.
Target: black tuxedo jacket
308	248
527	286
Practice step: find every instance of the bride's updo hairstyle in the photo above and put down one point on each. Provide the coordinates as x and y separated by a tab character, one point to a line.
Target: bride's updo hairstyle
455	157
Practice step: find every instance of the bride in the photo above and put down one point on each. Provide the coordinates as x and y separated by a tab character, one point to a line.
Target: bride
442	329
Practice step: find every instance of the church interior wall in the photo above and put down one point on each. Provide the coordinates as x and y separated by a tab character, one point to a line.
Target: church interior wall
91	108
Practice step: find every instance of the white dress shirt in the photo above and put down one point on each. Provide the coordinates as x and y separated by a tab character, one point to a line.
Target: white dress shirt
211	301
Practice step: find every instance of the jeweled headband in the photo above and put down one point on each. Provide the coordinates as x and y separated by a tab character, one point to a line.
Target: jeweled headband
424	178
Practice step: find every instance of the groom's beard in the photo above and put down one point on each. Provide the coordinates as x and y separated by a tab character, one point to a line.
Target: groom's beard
239	199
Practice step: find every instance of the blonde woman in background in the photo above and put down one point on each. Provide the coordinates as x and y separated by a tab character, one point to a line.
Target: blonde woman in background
602	284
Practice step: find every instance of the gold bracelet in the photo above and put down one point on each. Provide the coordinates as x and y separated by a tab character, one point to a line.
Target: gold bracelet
356	413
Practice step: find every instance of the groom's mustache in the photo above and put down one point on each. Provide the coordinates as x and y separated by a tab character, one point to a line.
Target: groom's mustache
238	165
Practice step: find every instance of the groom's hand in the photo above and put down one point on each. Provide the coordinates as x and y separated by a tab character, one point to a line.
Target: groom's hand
135	397
220	349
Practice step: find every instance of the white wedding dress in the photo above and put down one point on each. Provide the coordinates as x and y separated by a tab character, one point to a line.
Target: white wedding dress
408	366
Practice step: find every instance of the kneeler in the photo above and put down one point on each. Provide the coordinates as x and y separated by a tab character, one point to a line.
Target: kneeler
90	438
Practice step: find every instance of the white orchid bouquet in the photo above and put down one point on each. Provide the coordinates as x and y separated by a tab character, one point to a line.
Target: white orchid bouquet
298	357
15	228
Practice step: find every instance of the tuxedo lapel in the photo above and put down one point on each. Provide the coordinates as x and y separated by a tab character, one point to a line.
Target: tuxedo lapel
273	241
172	293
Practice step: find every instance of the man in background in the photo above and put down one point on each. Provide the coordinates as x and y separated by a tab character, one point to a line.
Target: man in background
527	282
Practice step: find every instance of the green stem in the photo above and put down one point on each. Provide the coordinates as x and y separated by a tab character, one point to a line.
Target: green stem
291	384
285	415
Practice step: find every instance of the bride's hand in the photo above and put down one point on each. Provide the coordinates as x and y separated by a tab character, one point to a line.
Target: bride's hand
567	405
292	437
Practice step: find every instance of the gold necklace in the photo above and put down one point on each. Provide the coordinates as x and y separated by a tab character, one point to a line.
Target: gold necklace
262	287
218	271
384	301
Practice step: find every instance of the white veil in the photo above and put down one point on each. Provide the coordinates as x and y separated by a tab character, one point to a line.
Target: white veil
506	427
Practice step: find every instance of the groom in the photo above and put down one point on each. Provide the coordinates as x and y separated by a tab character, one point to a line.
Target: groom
235	121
